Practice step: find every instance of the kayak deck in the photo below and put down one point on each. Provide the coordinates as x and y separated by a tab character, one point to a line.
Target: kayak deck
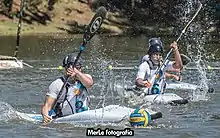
136	94
108	114
8	62
166	98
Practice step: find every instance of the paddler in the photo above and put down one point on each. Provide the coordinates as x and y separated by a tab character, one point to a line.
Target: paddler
74	97
176	76
151	62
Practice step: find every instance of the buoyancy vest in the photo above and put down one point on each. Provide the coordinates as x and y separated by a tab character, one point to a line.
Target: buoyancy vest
159	82
75	99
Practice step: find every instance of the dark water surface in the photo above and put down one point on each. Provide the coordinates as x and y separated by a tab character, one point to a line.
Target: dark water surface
24	89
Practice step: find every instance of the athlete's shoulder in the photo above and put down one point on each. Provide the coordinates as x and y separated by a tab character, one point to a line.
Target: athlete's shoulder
145	58
55	87
143	66
57	81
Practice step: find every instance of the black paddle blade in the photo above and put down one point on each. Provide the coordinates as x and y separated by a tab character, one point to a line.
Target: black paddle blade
95	23
156	115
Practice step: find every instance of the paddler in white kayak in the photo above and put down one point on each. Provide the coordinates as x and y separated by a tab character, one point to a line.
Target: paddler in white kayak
151	62
74	97
177	77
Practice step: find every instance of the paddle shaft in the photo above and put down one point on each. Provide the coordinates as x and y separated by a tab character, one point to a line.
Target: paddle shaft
82	47
90	31
171	50
19	28
19	32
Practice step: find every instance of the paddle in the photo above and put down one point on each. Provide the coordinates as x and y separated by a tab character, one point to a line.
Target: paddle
168	54
90	31
19	28
18	34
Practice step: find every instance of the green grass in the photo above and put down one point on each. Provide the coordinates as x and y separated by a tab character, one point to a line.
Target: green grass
8	28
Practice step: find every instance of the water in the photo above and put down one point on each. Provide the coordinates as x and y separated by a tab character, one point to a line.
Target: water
195	46
24	89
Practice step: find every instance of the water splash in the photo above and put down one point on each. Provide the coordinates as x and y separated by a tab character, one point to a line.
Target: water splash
7	112
104	76
195	40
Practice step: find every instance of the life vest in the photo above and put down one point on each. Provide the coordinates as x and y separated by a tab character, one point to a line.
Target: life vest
159	83
75	100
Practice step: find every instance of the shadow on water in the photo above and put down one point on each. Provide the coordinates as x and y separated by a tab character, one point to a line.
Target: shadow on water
116	48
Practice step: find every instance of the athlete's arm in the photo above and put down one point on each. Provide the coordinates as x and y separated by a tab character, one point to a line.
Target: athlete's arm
172	76
178	60
48	104
85	79
50	99
143	70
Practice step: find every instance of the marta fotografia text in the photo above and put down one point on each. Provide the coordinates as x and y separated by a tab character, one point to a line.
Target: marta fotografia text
109	132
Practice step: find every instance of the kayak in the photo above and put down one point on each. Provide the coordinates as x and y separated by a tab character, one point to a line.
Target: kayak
165	98
108	114
10	64
178	85
7	62
174	85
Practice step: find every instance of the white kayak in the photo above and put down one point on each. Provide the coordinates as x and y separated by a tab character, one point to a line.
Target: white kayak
174	85
166	98
135	93
108	114
8	62
178	85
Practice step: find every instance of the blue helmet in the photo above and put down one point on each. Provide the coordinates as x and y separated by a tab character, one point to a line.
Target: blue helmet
69	60
140	118
155	45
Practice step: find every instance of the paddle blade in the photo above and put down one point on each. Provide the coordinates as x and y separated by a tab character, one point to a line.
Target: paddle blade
95	23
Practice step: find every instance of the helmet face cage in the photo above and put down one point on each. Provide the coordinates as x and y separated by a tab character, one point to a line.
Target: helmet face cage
69	60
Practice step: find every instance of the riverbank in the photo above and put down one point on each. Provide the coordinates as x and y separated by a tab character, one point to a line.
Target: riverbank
70	17
9	27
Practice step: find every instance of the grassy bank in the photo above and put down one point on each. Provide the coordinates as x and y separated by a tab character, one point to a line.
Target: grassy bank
70	17
38	20
8	28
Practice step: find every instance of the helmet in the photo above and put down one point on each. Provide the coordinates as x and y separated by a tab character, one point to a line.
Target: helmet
69	60
155	45
140	118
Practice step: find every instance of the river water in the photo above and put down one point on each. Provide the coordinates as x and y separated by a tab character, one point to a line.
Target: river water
23	90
